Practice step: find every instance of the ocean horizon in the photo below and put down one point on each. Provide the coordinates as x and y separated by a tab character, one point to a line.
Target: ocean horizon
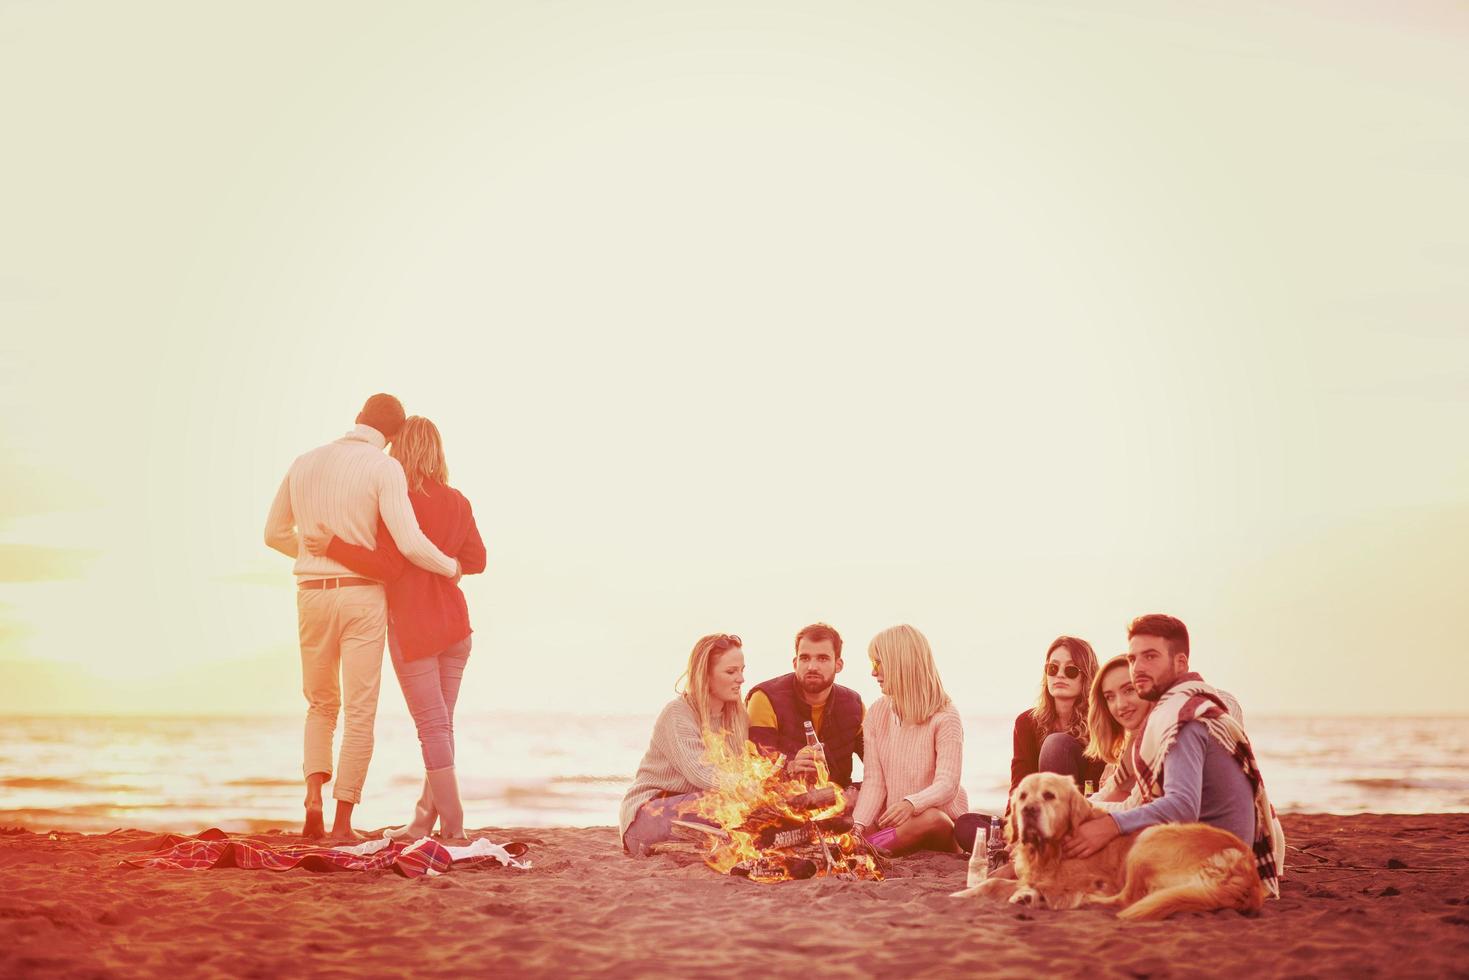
97	773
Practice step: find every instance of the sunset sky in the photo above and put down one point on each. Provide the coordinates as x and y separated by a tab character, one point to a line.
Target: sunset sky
1002	319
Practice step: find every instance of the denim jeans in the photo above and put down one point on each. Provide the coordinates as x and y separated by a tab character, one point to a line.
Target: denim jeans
431	686
654	822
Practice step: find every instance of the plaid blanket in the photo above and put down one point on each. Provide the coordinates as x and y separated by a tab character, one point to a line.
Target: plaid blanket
1190	699
215	849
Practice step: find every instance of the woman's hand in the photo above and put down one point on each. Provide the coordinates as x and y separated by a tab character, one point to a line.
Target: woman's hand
316	541
896	815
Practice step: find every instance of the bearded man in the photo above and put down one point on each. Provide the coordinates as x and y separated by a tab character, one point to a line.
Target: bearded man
780	707
1194	762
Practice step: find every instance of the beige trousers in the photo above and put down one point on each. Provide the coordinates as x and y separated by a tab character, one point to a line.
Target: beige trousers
341	654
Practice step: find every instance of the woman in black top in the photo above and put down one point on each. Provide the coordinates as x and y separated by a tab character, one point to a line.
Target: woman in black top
1052	736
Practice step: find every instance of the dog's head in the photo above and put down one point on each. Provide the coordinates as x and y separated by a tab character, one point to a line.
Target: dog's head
1044	807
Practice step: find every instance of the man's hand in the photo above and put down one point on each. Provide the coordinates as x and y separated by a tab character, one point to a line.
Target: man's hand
896	815
1091	837
804	762
316	541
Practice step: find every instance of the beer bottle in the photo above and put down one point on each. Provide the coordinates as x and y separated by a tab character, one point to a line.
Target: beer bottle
1091	788
812	742
996	852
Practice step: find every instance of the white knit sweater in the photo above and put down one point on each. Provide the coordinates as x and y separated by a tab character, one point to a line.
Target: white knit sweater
918	763
343	486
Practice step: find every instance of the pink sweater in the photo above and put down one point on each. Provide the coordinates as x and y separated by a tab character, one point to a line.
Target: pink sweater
917	763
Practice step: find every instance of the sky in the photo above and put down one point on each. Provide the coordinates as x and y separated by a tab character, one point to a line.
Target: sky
1006	320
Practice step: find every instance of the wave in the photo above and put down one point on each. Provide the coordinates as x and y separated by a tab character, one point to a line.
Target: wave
59	783
591	779
1402	783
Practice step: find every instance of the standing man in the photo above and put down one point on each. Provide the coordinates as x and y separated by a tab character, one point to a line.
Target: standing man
341	617
780	707
1194	762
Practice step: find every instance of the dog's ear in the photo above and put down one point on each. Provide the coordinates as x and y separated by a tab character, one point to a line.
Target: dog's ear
1012	831
1081	808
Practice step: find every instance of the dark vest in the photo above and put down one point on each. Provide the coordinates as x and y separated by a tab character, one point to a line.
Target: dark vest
840	731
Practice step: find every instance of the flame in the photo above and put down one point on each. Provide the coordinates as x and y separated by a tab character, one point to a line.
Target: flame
752	798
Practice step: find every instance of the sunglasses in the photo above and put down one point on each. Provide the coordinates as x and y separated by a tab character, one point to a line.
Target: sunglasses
1071	670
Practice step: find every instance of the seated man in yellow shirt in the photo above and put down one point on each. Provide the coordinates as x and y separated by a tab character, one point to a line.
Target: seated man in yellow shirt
780	707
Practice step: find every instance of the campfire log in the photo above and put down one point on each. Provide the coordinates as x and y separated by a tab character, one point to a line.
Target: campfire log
776	866
816	799
804	803
689	830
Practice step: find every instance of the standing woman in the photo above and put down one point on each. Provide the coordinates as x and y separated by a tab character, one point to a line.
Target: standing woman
1051	737
914	744
674	770
1116	720
428	619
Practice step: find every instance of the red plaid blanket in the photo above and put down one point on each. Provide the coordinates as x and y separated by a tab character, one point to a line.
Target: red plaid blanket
215	849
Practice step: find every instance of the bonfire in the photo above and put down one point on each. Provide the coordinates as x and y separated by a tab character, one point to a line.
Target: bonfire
760	823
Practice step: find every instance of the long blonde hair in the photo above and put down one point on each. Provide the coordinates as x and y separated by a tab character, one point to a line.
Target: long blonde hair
1107	734
693	684
1044	713
418	447
910	677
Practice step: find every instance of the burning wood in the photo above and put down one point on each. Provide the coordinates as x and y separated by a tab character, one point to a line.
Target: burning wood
762	824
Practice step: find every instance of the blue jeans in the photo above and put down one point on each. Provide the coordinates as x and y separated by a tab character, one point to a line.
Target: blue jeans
654	822
431	686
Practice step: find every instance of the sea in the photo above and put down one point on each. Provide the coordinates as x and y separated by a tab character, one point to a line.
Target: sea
243	774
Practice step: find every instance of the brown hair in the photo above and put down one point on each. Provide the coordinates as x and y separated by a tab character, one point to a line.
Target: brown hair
421	451
1166	627
817	632
384	413
1044	713
1107	733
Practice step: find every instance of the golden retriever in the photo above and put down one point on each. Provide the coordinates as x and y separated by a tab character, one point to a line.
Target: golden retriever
1150	875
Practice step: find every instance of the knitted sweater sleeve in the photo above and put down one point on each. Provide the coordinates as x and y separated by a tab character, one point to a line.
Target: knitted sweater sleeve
874	787
948	737
683	746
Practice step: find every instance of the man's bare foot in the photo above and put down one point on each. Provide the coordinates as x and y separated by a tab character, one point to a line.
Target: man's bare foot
315	827
342	832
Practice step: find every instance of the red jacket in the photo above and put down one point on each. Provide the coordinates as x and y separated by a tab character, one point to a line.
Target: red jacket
427	611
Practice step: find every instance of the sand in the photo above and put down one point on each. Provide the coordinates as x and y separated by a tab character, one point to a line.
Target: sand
68	909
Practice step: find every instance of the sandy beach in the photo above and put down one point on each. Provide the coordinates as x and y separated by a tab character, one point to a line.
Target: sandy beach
1368	895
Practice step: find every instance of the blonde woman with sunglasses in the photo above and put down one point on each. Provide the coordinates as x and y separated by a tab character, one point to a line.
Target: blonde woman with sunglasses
675	769
1052	736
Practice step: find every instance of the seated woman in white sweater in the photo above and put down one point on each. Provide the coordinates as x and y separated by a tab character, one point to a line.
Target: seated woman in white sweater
673	771
914	745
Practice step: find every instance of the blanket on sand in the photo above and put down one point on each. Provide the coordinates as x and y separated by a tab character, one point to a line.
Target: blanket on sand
214	848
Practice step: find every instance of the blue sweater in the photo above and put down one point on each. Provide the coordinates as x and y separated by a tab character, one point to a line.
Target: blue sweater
1201	784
